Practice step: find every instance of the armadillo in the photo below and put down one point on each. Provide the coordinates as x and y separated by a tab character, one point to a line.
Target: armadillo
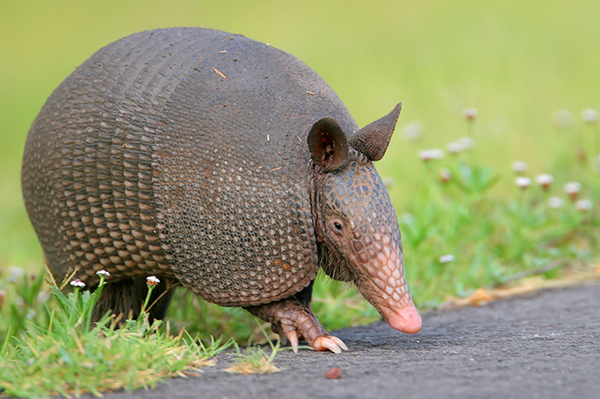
221	164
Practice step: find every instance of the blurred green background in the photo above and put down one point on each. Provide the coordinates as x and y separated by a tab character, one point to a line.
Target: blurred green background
517	62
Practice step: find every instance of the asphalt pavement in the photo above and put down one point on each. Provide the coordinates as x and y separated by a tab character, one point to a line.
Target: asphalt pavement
542	345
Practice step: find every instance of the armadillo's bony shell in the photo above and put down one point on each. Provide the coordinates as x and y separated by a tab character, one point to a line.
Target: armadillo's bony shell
181	153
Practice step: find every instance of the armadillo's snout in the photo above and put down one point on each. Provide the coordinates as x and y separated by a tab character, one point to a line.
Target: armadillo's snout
406	319
385	287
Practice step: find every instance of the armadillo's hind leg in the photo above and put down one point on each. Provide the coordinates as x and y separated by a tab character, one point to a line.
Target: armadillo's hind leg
293	318
126	297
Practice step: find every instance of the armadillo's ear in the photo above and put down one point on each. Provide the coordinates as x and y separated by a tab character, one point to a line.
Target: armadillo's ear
373	139
328	145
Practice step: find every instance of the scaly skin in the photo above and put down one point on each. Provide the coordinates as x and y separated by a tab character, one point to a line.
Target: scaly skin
357	234
294	320
359	238
219	163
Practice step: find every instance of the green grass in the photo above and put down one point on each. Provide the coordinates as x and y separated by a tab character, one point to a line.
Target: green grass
516	62
65	356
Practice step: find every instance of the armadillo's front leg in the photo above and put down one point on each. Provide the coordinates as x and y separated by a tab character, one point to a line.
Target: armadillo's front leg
293	318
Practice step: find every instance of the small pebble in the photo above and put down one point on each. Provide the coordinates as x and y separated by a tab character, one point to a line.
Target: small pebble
334	372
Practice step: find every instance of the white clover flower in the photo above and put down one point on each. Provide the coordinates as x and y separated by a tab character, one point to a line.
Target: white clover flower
31	314
407	218
466	143
572	189
563	118
77	283
152	280
388	182
454	148
470	113
544	180
413	131
445	175
519	167
589	116
555	202
425	155
446	258
15	273
103	273
583	205
436	153
43	296
523	182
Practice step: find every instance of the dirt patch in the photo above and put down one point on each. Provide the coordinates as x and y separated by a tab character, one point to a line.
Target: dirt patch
570	277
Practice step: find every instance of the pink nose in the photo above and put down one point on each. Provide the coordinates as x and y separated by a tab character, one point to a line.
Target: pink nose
406	319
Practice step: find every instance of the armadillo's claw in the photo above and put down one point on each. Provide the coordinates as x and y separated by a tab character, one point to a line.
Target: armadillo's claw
292	336
339	342
328	343
294	320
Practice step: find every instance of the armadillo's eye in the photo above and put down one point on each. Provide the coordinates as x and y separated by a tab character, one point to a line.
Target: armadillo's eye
338	227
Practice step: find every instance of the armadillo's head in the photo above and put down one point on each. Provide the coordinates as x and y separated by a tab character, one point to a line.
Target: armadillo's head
356	225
